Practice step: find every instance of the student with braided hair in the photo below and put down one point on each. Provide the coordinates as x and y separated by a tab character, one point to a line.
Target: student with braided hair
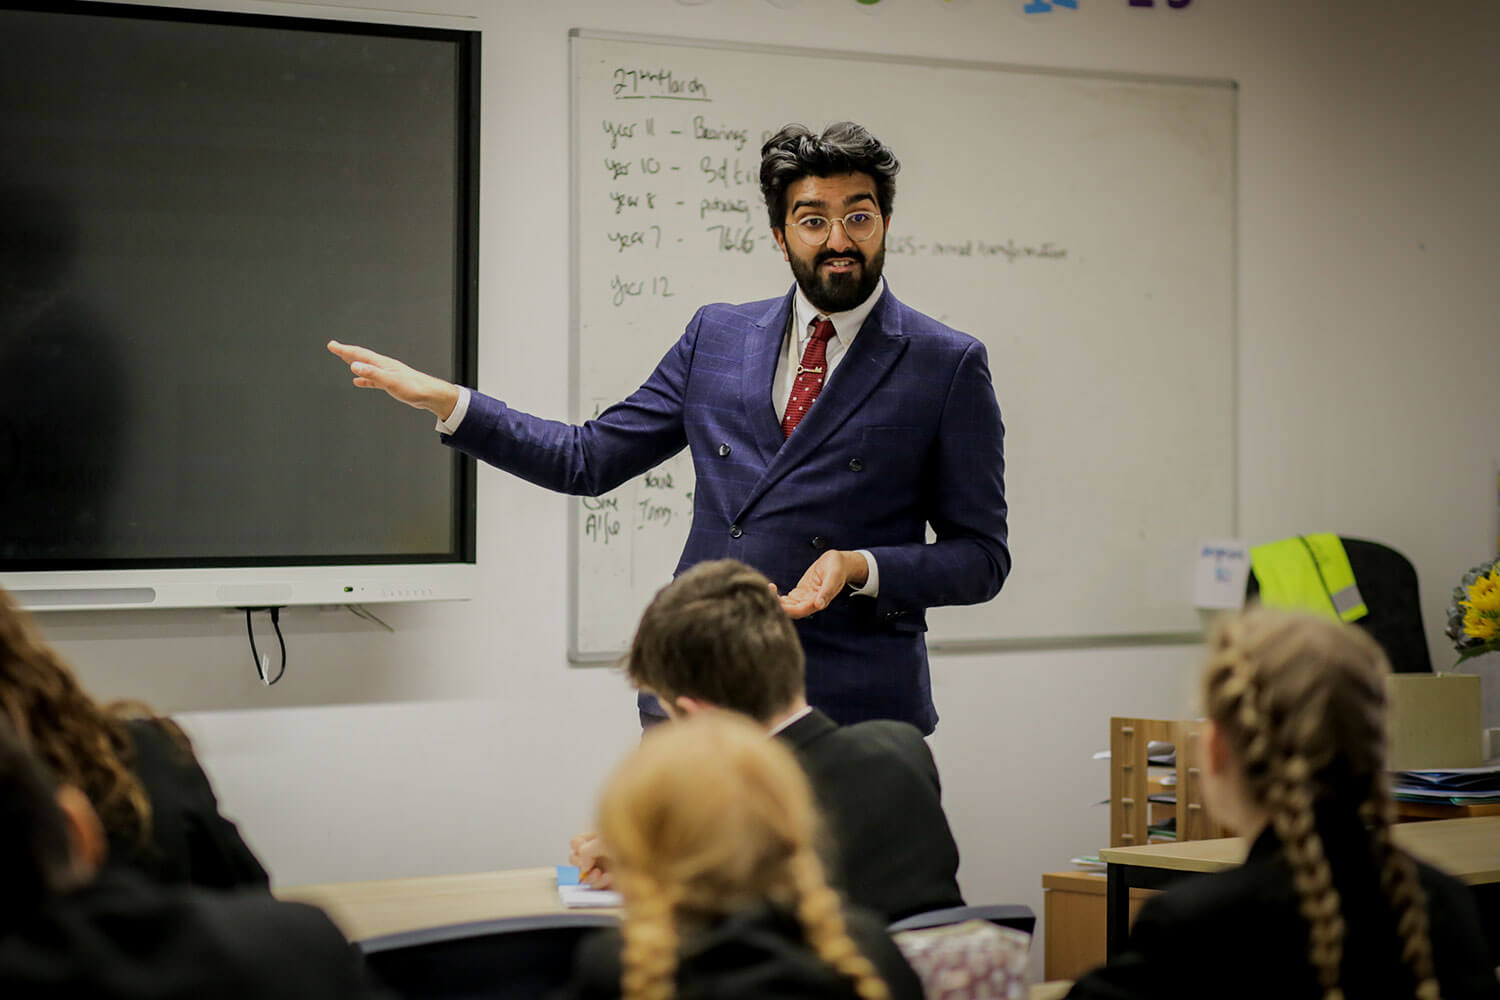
712	829
1325	906
716	638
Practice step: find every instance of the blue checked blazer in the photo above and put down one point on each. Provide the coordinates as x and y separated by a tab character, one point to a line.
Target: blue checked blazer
906	433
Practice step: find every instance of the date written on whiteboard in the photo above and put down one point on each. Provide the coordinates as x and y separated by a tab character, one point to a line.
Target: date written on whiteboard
655	85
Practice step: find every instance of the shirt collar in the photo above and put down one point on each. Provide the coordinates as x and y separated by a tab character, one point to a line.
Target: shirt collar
845	324
806	711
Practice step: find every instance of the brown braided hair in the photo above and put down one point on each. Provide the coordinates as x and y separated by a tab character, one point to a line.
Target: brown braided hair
709	816
1301	702
80	742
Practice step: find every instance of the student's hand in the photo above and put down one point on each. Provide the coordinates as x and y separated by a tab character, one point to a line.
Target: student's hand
587	852
414	388
831	573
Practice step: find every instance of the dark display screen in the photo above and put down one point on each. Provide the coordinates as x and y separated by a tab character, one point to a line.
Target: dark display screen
191	205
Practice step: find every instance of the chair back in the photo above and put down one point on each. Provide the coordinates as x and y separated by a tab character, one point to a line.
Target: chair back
1387	584
1016	916
513	958
972	960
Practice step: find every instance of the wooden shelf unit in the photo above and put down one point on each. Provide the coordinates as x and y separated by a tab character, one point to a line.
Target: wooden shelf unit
1131	785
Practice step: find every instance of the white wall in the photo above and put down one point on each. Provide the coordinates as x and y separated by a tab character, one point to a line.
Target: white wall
1369	328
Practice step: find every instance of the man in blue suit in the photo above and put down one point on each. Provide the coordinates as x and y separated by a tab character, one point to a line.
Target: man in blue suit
828	428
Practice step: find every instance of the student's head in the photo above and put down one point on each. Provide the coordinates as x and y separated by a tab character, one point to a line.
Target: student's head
707	817
82	744
50	839
717	634
1297	736
1298	699
829	197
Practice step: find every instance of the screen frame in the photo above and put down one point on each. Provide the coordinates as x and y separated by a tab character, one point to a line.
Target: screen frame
267	581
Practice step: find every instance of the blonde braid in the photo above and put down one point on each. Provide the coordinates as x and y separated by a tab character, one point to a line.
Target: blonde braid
1282	784
1398	880
1313	879
1232	696
822	921
649	956
1302	702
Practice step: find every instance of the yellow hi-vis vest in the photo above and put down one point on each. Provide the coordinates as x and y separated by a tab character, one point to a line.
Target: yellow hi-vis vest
1310	572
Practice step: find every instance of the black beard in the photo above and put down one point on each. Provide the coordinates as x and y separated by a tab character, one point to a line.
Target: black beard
835	293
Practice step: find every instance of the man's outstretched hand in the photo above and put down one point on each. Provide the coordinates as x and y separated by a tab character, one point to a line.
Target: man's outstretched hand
832	572
414	388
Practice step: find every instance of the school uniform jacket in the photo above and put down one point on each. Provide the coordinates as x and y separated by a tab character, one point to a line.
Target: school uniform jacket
125	937
191	841
1237	935
758	953
878	788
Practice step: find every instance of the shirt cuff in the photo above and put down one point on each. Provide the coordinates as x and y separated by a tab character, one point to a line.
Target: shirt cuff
450	426
872	582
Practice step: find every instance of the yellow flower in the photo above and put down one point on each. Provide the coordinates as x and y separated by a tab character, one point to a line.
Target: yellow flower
1482	608
1482	625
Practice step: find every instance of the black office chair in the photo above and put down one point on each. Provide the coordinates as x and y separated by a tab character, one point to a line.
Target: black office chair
1013	915
1387	582
513	958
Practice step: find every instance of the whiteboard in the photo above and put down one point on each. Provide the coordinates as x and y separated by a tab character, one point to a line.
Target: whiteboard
1081	225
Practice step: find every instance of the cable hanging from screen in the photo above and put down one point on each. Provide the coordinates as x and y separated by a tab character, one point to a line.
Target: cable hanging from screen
360	611
263	663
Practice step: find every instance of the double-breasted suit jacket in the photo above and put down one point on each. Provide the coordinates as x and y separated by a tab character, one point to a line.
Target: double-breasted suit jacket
906	433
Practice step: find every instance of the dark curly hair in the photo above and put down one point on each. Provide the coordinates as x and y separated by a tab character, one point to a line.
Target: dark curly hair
34	857
796	152
82	743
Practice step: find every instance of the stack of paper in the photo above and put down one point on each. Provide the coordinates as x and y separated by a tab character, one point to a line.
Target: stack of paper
1460	786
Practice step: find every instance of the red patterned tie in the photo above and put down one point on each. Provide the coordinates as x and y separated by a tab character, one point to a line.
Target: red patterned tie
810	374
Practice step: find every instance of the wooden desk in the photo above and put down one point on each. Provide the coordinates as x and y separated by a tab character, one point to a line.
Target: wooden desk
1467	849
369	909
1408	810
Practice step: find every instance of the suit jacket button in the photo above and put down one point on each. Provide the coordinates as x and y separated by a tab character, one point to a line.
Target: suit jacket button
855	465
819	542
723	449
734	529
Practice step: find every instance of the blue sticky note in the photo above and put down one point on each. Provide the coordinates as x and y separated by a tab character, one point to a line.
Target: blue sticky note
567	874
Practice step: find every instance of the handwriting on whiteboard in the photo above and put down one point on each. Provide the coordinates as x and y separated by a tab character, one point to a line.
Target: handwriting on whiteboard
686	184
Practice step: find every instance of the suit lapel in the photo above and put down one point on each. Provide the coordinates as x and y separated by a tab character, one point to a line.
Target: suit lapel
875	350
762	350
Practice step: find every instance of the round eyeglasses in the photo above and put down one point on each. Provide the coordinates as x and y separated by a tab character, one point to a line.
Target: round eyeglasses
814	230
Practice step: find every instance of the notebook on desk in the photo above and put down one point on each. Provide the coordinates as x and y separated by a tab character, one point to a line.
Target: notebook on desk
575	895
